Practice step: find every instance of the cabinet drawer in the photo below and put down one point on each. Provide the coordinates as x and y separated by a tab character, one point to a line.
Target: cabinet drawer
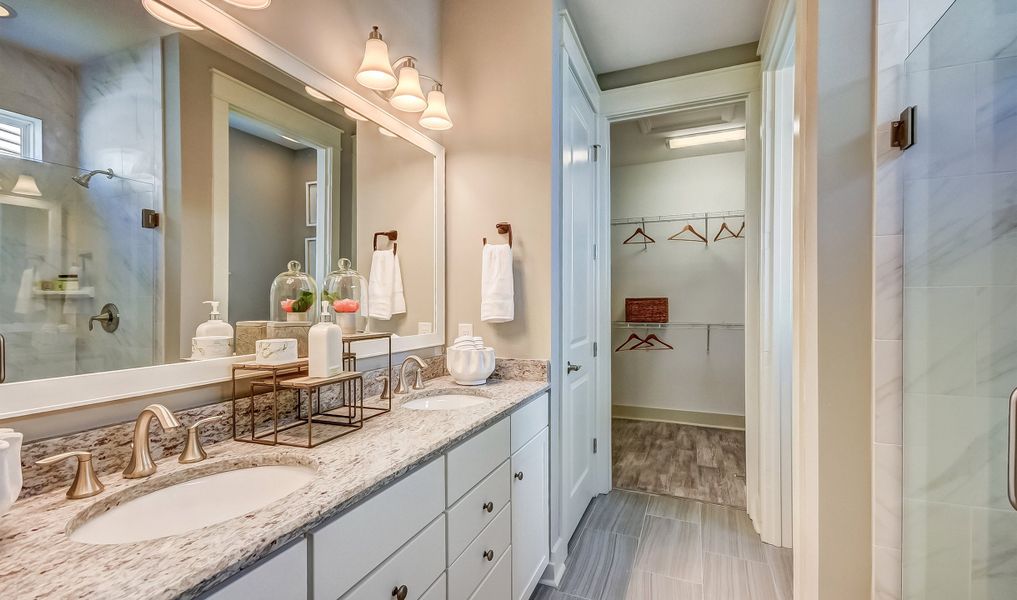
350	547
472	567
498	585
282	576
528	421
416	565
472	460
437	591
468	517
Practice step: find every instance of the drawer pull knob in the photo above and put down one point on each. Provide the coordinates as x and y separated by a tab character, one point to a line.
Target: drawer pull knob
489	506
489	555
400	593
519	476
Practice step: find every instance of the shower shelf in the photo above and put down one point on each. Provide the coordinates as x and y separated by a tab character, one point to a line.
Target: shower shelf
86	292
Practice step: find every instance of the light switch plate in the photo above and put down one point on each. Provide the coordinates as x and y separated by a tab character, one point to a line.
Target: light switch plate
424	328
465	329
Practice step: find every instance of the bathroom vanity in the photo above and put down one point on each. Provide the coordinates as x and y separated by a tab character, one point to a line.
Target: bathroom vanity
446	504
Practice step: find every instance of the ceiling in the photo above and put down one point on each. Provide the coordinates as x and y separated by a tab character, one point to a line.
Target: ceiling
621	35
644	140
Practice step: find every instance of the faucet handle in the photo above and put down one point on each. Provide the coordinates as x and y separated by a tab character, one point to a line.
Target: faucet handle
386	389
418	381
193	450
86	483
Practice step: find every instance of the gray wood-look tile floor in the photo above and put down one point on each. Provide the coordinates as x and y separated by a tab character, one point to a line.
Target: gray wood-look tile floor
685	461
636	546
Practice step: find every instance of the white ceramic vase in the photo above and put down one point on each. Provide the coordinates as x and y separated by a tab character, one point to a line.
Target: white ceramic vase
10	468
470	366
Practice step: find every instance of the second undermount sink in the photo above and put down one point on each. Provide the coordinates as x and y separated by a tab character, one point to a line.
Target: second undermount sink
192	504
445	400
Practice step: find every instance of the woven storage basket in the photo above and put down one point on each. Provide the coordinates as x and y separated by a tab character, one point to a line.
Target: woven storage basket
646	310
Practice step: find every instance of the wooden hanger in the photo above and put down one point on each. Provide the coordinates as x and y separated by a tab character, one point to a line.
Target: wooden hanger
688	227
646	239
731	233
631	337
649	340
503	228
392	236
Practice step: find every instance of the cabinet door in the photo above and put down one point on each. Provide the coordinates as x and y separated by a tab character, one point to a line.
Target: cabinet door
282	576
530	515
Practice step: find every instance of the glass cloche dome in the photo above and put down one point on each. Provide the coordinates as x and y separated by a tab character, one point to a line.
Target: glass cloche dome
294	296
346	291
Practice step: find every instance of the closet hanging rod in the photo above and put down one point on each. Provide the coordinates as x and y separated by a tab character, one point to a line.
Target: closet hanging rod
684	217
677	325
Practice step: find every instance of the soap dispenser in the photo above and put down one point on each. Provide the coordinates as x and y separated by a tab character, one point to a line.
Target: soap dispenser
325	346
214	325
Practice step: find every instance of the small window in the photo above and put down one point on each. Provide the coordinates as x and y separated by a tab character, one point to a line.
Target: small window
20	135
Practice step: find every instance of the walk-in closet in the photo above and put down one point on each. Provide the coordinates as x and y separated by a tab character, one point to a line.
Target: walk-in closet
678	304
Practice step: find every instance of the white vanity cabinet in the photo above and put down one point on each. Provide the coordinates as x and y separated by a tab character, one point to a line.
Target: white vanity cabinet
471	524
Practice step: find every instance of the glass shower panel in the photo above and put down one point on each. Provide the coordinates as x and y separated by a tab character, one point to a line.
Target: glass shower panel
960	306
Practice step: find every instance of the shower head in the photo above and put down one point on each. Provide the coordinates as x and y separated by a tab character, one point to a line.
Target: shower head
84	179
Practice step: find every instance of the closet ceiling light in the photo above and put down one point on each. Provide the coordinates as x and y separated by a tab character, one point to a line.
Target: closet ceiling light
354	114
26	186
316	94
386	132
408	96
700	139
435	116
375	70
251	4
169	16
6	12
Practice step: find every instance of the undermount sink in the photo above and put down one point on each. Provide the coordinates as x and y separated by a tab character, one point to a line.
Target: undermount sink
192	504
447	401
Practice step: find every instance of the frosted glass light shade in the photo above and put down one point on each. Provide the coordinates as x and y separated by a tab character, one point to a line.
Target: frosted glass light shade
250	4
169	16
26	186
375	71
435	116
354	114
316	94
386	132
408	96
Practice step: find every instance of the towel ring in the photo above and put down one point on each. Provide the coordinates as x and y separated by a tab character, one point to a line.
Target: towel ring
503	229
392	236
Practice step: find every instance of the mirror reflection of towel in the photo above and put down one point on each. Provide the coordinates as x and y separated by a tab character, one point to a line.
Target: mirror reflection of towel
385	287
497	294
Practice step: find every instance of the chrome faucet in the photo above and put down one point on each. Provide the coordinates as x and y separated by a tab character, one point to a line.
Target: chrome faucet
141	464
418	382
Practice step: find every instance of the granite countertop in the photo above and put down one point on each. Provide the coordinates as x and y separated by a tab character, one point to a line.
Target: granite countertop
38	560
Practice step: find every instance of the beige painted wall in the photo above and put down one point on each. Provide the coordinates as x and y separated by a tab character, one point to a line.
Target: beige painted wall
497	61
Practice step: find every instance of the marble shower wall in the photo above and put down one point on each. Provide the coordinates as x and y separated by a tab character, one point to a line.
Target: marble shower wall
958	187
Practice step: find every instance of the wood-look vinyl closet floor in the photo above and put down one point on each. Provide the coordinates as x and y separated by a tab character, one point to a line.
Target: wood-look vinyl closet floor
685	461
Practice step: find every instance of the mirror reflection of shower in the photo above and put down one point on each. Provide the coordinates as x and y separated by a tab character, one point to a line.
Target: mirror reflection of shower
85	178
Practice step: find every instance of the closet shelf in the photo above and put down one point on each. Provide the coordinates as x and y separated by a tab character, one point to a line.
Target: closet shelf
683	217
677	325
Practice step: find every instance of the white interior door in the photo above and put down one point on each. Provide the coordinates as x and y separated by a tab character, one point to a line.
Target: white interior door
579	410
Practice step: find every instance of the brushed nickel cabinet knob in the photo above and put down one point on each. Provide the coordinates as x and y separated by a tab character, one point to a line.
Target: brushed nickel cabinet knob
400	593
489	506
519	475
489	555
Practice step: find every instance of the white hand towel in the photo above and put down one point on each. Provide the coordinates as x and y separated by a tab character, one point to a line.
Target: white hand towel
497	296
385	288
24	303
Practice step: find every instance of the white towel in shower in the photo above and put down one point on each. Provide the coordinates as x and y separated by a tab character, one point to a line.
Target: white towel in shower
385	288
24	303
497	294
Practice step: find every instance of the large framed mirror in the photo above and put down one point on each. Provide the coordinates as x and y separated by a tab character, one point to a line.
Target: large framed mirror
146	169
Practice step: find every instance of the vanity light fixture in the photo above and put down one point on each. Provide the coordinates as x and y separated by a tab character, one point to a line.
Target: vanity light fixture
386	132
375	70
316	94
710	137
26	186
354	114
378	74
6	12
250	4
169	16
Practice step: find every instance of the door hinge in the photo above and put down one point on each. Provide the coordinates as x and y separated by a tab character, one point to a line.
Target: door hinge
902	132
594	349
594	252
594	445
596	152
149	218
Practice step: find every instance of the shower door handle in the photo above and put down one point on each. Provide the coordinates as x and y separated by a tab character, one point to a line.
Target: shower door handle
1011	463
3	358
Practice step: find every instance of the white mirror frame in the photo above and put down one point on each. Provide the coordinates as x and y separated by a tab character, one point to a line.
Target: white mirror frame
62	393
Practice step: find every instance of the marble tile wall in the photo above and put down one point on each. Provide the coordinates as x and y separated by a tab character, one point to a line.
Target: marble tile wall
110	445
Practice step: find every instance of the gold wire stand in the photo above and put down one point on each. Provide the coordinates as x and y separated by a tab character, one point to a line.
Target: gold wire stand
272	379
